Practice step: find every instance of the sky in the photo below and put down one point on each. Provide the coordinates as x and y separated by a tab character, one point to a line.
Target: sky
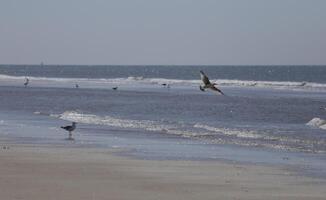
163	32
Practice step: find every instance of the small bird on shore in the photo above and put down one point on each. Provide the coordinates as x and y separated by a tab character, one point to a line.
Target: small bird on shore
26	82
70	129
208	84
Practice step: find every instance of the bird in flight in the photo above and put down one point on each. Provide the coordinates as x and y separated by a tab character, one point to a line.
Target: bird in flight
70	129
208	84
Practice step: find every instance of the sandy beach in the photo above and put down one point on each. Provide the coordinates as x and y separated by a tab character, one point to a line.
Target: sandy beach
38	173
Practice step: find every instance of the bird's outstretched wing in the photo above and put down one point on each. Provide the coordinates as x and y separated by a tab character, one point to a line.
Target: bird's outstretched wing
204	78
216	89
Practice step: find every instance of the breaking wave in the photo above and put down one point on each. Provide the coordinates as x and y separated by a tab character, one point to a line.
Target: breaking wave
196	130
318	123
158	81
210	134
231	132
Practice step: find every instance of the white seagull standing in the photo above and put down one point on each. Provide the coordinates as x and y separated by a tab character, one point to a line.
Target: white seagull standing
208	84
70	129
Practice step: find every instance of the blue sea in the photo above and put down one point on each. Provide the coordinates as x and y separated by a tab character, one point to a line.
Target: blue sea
272	115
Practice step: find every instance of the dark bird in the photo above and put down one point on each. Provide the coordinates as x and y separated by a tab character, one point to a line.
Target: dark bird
77	86
166	85
26	82
70	129
114	88
208	84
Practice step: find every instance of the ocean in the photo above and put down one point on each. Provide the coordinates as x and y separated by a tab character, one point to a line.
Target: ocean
269	114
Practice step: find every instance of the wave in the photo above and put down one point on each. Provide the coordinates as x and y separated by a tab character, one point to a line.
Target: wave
196	130
231	132
317	122
204	132
132	81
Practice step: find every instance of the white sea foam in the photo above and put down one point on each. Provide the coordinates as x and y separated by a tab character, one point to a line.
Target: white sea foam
323	126
317	122
124	123
198	130
230	132
208	133
131	81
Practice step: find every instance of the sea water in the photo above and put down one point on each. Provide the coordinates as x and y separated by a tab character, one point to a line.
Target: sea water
270	114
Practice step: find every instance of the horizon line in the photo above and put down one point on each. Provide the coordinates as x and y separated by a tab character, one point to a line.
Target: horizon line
157	65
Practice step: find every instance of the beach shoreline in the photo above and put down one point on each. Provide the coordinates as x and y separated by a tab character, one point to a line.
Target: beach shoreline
44	172
146	140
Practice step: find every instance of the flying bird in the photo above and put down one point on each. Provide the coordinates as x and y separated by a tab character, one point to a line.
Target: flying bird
208	84
70	129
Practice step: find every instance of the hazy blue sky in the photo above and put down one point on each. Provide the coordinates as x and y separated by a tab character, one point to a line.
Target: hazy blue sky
163	31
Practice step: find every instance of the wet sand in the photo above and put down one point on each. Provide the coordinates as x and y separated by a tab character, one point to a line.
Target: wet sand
38	173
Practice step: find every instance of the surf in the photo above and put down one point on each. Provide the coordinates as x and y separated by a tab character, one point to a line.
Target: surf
141	81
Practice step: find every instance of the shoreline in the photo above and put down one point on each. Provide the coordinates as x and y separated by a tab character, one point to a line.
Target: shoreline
36	172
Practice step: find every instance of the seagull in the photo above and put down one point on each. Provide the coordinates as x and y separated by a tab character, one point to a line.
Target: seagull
166	85
70	129
208	84
114	88
26	82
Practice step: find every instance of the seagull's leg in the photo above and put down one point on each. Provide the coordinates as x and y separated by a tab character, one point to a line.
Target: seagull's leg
70	135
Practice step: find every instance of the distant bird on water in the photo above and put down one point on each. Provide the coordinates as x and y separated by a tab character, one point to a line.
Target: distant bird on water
208	84
26	82
76	85
70	129
114	88
166	85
